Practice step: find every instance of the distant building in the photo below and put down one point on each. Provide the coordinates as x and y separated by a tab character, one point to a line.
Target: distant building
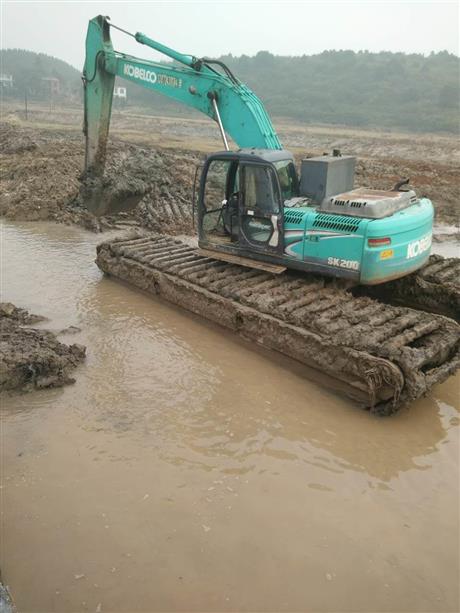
52	85
6	80
120	92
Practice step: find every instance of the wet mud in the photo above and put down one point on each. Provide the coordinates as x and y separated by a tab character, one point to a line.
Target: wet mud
42	179
388	356
435	288
32	358
189	470
155	186
6	603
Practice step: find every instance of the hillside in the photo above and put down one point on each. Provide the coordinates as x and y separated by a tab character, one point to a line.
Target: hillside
389	90
382	89
386	90
29	69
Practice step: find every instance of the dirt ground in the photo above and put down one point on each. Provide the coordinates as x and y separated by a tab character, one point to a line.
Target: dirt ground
154	159
32	358
41	180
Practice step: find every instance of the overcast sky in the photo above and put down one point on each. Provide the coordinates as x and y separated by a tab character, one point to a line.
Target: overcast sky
217	27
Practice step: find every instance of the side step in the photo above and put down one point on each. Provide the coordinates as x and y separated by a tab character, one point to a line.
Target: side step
382	355
241	261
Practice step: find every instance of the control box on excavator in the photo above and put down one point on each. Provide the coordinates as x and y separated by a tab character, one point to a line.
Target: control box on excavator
326	175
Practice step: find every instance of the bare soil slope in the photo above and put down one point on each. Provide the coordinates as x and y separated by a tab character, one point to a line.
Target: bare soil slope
42	170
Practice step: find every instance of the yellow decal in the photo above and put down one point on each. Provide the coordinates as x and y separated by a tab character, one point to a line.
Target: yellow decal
386	254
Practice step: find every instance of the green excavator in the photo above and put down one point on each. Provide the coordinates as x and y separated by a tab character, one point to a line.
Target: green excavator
257	217
253	206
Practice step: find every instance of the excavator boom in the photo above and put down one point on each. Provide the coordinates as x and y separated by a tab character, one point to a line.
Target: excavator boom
196	84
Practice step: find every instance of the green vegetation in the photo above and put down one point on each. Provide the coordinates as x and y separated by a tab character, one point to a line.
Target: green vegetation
413	92
386	90
29	69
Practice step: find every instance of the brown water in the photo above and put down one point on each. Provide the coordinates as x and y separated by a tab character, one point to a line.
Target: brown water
187	471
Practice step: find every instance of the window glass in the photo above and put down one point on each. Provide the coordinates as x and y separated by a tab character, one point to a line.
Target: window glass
260	189
216	183
288	178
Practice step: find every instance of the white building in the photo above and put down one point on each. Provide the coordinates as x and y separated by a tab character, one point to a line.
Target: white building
120	92
6	80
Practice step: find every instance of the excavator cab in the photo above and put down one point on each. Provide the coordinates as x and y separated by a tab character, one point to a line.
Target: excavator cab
241	201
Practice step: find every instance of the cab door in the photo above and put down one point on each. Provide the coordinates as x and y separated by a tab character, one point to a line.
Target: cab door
261	220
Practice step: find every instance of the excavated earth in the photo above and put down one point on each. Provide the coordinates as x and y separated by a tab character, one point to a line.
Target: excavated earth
31	358
42	172
386	356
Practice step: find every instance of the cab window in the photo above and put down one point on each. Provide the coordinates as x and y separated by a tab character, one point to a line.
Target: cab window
216	184
288	178
260	189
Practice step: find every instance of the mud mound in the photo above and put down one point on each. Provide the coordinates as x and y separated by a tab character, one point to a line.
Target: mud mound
42	180
36	183
31	358
156	187
168	205
15	141
10	312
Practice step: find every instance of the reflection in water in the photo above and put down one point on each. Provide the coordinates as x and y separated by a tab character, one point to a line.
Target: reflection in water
184	458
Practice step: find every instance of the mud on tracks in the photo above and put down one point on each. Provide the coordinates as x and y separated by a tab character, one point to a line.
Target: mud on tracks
386	356
434	288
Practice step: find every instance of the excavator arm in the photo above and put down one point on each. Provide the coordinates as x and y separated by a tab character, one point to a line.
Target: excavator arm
196	83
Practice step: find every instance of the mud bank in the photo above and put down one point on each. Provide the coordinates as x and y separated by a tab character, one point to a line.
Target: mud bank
31	358
42	172
6	602
434	288
42	180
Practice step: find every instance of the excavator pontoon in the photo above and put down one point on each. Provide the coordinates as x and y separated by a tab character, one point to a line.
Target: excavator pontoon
272	240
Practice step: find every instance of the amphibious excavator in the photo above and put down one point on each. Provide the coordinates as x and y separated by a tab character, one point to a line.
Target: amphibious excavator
251	202
257	218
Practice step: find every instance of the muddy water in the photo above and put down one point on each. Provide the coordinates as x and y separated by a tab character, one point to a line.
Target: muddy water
187	471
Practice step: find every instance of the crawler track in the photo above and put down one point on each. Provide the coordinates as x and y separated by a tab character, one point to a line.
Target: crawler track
385	356
434	288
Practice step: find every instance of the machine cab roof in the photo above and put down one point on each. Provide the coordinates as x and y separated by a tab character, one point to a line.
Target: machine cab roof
254	155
